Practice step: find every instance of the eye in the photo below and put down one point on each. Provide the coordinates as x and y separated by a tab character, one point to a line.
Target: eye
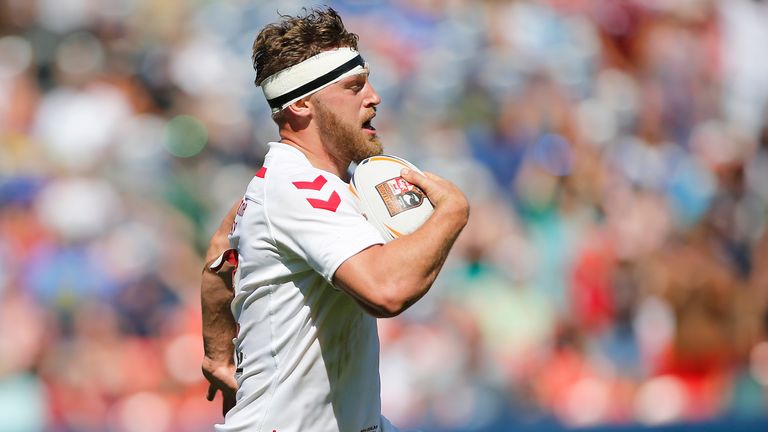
357	84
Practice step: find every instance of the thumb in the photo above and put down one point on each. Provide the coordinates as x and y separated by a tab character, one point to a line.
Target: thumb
230	383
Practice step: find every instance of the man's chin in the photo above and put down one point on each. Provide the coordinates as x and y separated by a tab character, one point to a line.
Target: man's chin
373	149
377	147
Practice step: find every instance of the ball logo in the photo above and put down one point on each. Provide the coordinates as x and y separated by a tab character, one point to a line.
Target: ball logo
399	195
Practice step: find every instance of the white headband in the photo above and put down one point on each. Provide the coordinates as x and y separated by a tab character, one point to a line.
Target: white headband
315	73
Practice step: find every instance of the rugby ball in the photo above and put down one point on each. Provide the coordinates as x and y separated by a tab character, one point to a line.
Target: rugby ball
393	205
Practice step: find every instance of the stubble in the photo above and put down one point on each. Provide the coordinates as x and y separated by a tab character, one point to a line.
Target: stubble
347	140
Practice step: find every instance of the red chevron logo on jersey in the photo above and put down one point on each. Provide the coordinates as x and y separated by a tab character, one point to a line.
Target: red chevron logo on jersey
330	204
315	184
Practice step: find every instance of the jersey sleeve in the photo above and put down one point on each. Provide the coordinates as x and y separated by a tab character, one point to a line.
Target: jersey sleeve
316	217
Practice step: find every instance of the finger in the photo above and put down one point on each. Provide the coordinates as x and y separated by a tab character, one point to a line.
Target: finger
432	176
416	178
228	403
211	392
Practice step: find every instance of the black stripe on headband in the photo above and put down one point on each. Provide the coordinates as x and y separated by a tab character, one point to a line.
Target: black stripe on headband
317	82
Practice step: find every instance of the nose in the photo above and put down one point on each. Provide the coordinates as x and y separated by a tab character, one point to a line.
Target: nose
372	98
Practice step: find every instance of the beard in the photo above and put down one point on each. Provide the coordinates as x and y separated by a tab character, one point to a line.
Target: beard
347	140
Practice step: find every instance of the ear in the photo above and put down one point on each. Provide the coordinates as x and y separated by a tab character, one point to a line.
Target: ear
300	108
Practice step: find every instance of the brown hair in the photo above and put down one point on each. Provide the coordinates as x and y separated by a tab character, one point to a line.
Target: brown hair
296	38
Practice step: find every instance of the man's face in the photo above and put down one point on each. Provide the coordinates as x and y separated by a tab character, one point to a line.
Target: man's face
344	112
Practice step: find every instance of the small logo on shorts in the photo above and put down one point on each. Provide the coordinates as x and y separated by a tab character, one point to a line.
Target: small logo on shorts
399	195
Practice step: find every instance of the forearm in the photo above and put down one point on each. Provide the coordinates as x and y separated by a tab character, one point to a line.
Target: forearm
218	323
389	278
216	294
410	264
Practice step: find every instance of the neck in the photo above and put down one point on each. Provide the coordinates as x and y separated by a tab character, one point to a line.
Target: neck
316	152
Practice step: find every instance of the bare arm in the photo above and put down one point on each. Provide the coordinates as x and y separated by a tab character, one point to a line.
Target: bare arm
219	326
387	279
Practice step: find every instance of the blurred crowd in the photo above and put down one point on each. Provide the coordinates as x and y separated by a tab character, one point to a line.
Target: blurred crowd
614	269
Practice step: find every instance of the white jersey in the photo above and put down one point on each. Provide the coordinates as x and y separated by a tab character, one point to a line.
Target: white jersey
307	355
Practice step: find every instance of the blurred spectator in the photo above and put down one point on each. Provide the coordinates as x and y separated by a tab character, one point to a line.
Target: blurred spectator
616	155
